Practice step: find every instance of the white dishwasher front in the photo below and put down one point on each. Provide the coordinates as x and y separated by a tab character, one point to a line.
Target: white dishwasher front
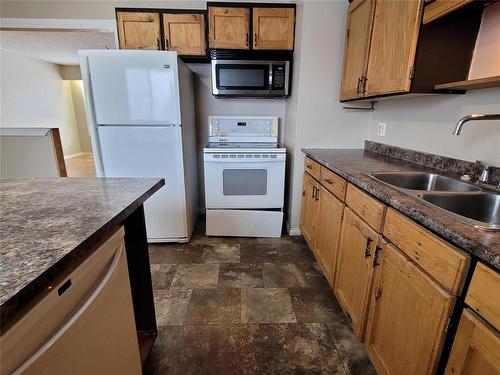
85	325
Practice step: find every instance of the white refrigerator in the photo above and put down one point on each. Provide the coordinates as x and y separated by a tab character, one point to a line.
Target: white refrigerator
140	112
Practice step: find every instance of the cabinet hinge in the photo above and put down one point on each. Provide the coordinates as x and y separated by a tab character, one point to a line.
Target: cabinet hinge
412	72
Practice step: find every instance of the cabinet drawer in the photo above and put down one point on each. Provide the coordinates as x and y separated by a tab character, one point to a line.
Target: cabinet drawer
313	168
484	294
369	209
444	262
335	184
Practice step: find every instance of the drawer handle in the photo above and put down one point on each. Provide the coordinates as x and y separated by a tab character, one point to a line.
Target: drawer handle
376	257
367	249
309	166
93	295
328	181
64	287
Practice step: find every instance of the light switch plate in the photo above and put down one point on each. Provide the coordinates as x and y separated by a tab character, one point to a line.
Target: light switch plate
381	129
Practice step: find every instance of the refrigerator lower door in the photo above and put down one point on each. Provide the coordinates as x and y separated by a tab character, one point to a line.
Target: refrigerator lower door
138	151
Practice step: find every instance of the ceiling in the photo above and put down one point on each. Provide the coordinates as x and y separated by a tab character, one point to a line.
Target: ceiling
59	47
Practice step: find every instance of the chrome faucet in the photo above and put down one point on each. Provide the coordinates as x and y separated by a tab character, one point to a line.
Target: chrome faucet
463	120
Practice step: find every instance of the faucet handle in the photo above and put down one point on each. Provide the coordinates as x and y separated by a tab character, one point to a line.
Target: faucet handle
485	174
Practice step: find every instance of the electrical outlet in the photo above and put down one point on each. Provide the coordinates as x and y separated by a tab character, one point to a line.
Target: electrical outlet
381	129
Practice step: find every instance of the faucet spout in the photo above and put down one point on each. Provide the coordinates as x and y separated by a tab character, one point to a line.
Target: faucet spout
463	120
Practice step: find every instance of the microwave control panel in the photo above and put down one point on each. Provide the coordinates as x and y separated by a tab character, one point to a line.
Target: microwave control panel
279	72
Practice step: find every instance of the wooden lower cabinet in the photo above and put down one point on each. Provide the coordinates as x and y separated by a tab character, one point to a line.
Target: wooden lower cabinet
408	317
476	348
353	278
309	213
328	224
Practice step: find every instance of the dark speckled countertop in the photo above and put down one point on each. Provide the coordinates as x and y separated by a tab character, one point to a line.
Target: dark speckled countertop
353	164
47	224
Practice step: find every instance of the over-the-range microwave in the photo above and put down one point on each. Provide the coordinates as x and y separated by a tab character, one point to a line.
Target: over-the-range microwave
251	78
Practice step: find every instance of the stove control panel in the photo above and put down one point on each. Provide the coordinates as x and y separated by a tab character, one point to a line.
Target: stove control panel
243	128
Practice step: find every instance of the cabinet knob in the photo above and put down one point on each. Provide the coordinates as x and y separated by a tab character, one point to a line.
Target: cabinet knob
375	258
367	248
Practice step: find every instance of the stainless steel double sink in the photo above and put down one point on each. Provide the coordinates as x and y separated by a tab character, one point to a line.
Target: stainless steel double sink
477	206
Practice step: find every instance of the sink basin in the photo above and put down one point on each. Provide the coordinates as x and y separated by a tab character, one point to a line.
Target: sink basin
424	181
481	207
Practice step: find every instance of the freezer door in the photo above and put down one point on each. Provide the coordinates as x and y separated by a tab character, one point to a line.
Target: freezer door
132	151
135	87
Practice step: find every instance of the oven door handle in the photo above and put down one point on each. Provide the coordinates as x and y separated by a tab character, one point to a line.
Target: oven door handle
243	160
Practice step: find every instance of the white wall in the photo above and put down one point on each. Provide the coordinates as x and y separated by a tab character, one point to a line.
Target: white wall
208	105
426	124
80	117
320	120
32	93
84	9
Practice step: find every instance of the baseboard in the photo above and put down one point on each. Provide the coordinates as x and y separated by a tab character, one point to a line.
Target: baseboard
293	231
76	155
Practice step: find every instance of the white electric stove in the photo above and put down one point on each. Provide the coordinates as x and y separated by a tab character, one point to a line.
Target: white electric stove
244	177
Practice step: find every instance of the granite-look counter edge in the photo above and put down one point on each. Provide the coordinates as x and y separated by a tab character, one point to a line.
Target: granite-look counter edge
354	163
48	226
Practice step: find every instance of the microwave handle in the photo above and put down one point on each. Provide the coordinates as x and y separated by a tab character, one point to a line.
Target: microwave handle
270	77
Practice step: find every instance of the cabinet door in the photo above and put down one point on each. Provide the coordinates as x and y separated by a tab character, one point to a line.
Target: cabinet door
357	46
138	30
308	215
476	348
184	33
273	28
353	279
408	317
330	211
393	44
228	27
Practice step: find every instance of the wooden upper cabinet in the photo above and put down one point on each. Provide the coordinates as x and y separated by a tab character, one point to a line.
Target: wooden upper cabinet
228	27
408	317
356	48
353	279
476	348
138	30
440	8
393	45
308	215
273	28
330	211
184	33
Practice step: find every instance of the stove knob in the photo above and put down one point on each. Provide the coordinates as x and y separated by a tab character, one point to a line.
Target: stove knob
216	122
268	122
216	128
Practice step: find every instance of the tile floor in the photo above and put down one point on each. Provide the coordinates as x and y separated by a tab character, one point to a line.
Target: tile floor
247	306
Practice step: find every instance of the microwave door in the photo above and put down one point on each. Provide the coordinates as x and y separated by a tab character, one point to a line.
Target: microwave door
241	78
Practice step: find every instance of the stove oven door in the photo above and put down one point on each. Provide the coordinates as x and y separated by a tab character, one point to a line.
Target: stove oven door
244	180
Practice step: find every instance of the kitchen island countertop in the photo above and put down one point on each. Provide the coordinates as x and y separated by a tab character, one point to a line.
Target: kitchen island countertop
50	225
